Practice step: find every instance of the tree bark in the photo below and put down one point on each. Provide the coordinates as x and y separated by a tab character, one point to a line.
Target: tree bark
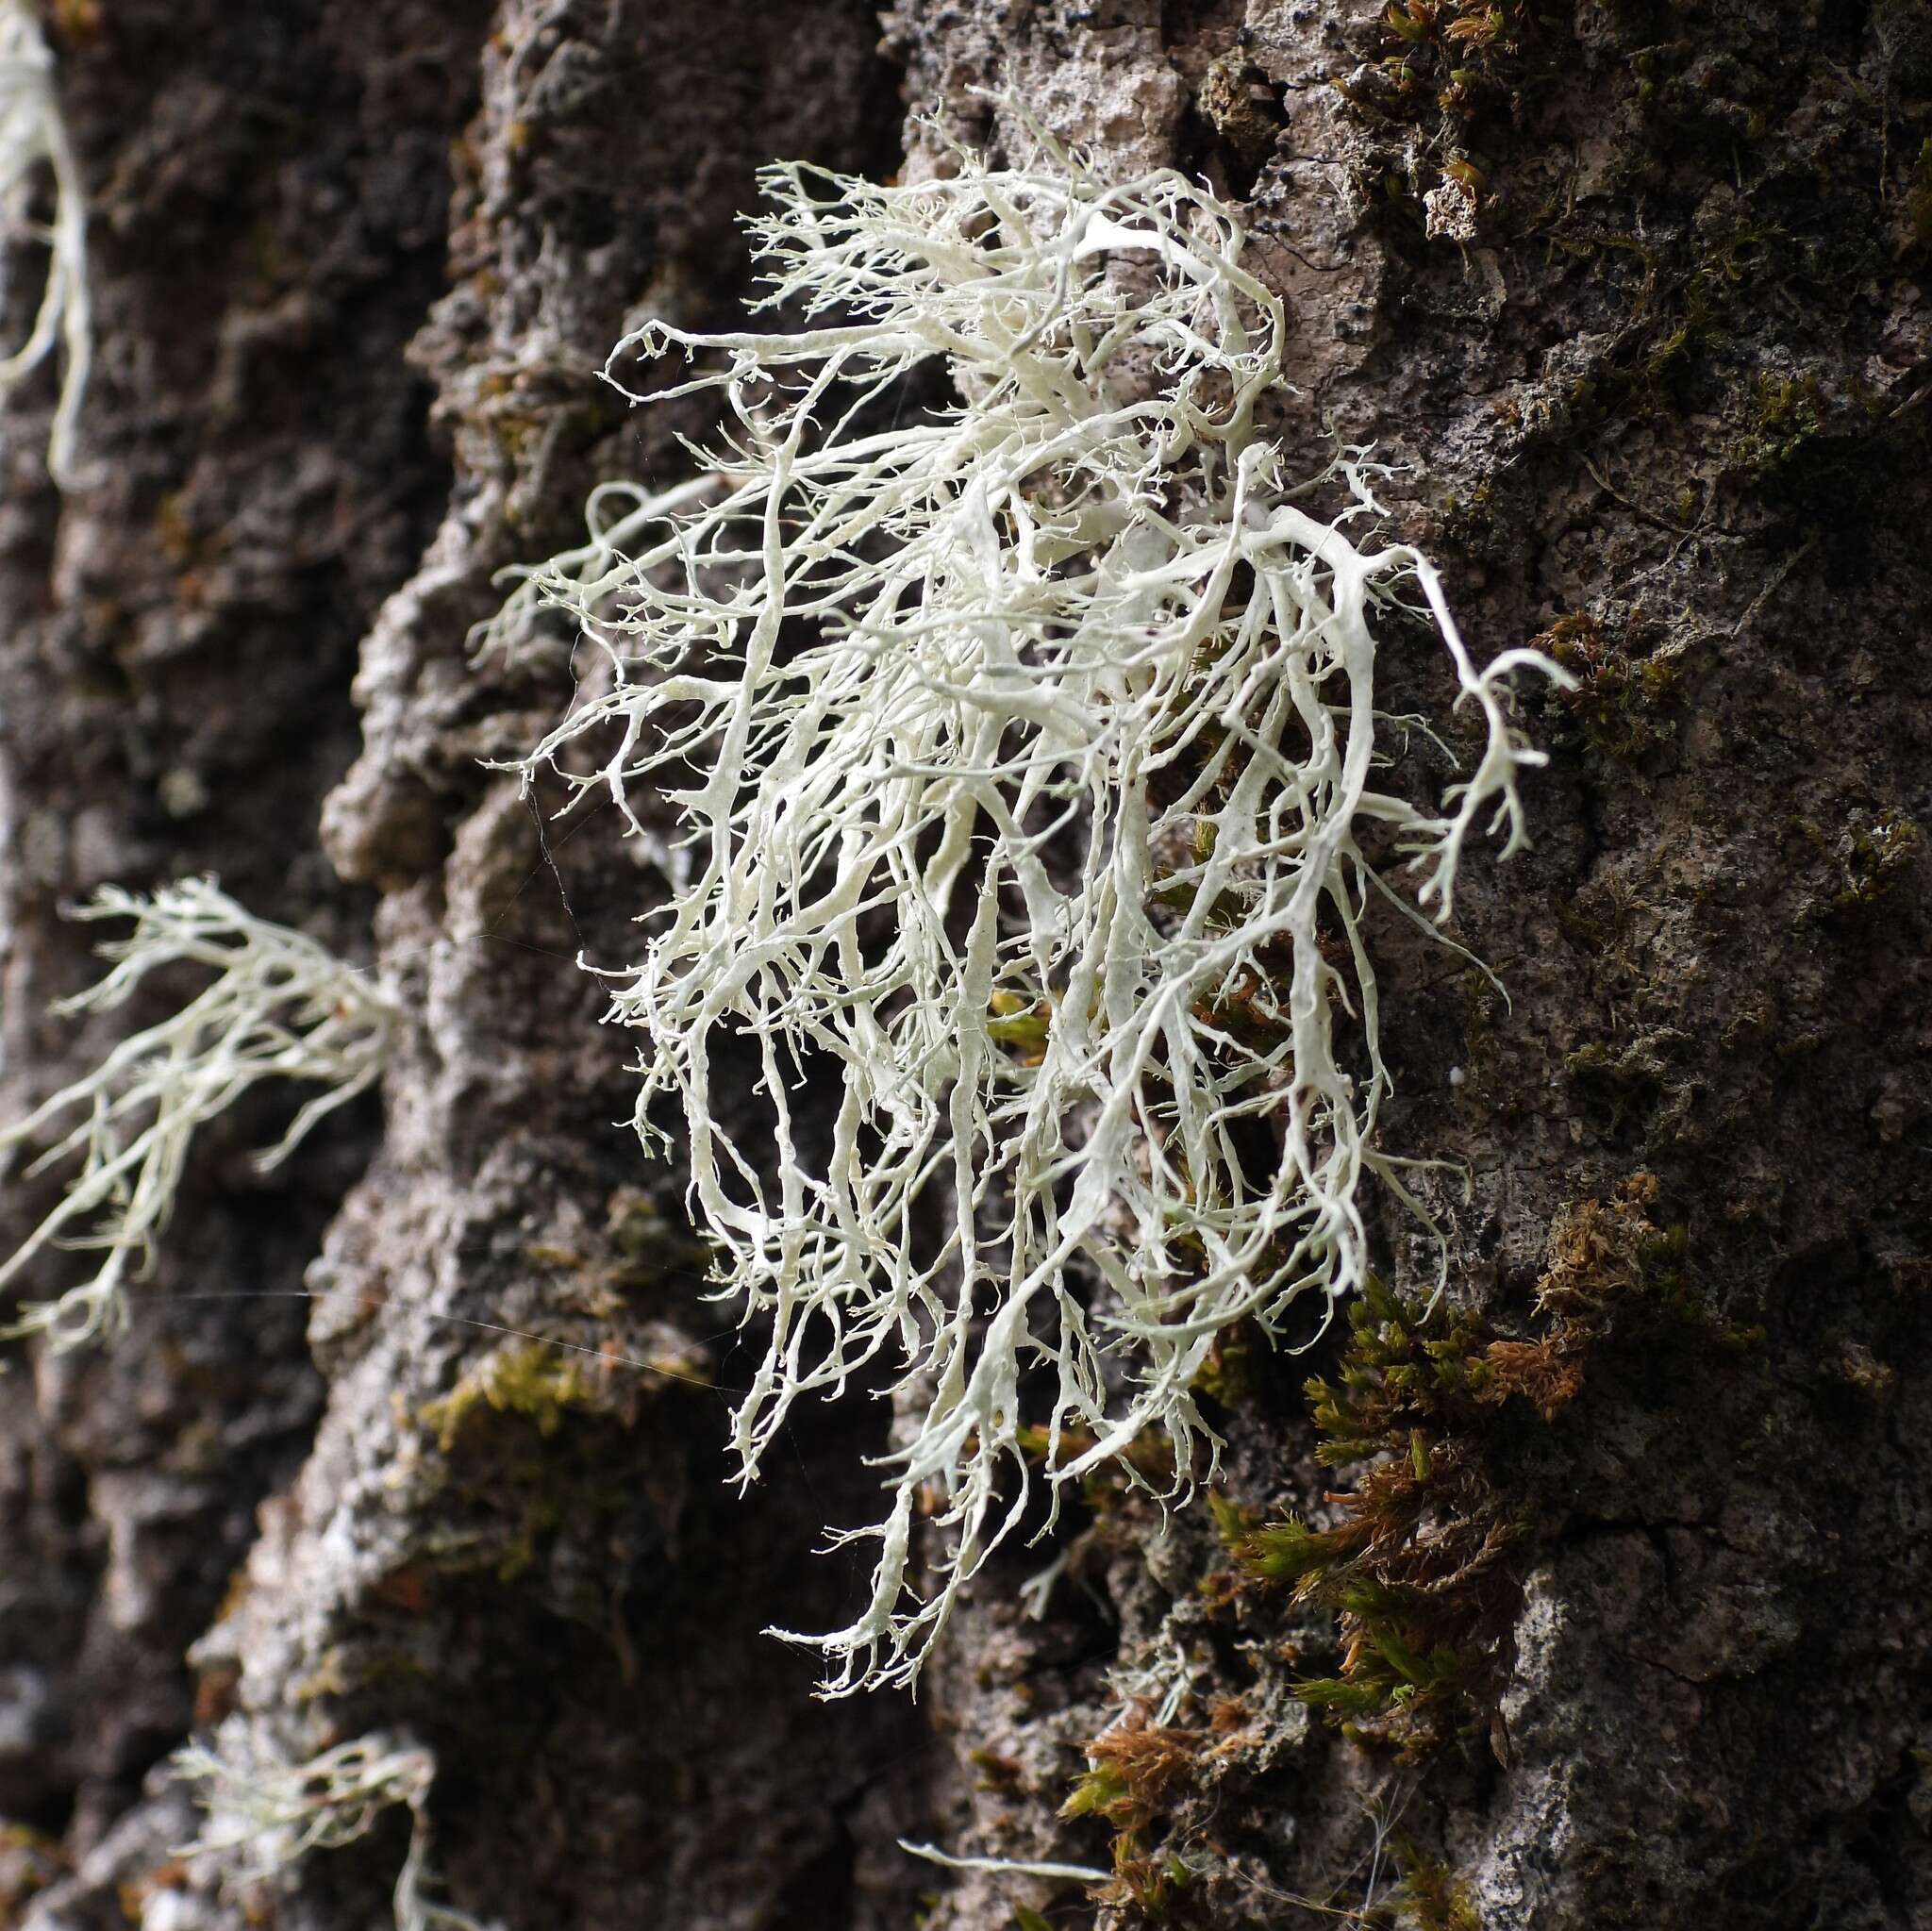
1636	293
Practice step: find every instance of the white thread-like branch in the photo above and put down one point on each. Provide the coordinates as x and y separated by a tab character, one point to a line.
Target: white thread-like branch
33	135
1025	747
261	1818
280	1006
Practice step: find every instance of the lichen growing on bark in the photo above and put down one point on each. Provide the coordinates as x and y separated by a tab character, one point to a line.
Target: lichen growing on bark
280	1006
1030	759
33	137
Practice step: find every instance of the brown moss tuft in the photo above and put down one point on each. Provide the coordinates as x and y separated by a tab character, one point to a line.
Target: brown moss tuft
1422	1563
1137	1775
1627	683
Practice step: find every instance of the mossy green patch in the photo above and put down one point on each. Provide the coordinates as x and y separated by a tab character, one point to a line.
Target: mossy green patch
1417	1396
530	1379
1136	1775
521	1474
1431	1897
1627	679
1233	1370
1448	69
1875	855
1422	1563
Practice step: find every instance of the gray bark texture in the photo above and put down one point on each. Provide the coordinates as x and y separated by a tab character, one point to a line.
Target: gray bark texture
1637	291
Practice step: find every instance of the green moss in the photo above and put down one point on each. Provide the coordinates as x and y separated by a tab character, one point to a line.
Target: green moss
1137	1775
1611	1266
1101	1791
1875	855
1782	417
1628	684
531	1379
1232	1372
1448	70
1431	1897
1421	1565
1685	301
1472	525
1423	1395
517	1476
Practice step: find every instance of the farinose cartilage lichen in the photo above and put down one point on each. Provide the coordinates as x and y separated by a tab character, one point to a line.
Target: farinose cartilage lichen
282	1007
262	1818
1023	748
33	135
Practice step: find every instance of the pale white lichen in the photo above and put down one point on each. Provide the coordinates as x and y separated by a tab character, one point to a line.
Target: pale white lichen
280	1006
1029	752
34	149
262	1817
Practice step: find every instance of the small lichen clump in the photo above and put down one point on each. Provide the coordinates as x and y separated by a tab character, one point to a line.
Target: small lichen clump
280	1006
1025	749
262	1816
33	137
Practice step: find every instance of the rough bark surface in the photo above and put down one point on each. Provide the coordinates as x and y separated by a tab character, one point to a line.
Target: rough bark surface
1639	291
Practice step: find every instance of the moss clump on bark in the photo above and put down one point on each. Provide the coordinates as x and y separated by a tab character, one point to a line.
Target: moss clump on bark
1437	1410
